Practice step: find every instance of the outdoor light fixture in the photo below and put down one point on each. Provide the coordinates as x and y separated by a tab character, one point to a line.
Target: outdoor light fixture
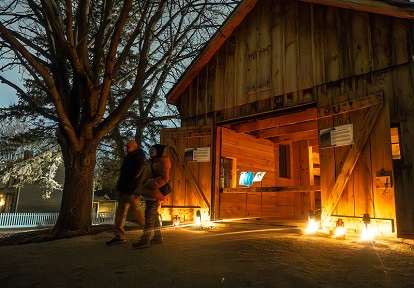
176	221
367	232
312	225
366	219
340	229
198	219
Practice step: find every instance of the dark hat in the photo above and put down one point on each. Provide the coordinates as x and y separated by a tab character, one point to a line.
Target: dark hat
160	149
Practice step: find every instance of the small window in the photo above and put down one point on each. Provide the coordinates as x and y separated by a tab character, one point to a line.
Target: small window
395	143
284	161
226	173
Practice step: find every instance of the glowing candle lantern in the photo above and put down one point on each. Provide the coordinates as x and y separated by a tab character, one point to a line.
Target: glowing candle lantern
312	225
176	221
340	229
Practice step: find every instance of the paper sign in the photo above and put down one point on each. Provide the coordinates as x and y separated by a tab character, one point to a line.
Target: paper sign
337	136
200	154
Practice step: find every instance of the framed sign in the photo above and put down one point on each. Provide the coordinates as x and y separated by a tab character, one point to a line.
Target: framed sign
200	154
337	136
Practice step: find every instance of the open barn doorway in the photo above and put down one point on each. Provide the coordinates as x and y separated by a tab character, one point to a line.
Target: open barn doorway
269	167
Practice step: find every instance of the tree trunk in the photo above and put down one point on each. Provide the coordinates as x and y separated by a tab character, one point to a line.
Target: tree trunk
76	207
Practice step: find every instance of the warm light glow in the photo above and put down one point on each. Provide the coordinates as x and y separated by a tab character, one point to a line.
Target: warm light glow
312	226
339	232
2	202
198	219
176	221
210	224
368	234
340	229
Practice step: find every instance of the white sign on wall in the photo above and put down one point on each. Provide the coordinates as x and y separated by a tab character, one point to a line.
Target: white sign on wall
200	154
337	136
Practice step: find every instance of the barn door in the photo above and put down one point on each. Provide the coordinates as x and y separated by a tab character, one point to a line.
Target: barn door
356	179
190	150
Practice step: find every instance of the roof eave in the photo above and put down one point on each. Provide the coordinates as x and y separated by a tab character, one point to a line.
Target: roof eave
395	8
210	49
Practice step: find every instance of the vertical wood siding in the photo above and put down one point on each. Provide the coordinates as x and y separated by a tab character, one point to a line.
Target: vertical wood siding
288	53
287	49
184	192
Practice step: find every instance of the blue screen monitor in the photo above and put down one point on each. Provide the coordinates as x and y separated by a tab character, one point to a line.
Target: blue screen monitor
246	178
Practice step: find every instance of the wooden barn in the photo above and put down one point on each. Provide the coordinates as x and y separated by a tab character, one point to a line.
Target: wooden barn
313	101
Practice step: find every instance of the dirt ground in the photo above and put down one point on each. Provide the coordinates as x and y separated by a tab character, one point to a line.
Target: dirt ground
237	255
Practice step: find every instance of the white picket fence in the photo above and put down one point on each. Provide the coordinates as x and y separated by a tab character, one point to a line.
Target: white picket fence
22	220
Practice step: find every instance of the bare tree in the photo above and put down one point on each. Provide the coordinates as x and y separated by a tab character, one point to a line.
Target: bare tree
89	64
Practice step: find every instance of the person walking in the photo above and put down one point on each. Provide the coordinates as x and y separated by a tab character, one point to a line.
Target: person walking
127	185
155	175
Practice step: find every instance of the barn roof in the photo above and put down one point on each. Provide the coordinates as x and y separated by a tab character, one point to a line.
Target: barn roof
395	8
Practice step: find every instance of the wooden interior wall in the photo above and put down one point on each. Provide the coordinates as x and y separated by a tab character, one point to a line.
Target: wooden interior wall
264	205
255	154
251	154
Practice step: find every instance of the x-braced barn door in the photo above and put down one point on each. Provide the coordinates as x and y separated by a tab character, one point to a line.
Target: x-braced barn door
354	178
191	153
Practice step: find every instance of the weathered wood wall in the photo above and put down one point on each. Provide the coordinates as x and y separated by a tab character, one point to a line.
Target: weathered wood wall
191	181
288	53
404	180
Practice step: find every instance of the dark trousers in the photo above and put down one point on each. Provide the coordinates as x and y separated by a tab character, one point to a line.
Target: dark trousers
126	202
152	221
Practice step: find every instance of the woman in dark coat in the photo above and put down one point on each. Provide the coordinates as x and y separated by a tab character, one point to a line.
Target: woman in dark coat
155	175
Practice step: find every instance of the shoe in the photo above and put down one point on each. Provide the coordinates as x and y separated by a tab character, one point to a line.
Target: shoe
115	241
141	244
157	240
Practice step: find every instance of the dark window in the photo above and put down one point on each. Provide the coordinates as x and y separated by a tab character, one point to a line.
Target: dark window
284	161
226	176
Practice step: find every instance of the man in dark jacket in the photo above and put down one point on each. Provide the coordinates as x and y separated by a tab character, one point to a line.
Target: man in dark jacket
127	186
